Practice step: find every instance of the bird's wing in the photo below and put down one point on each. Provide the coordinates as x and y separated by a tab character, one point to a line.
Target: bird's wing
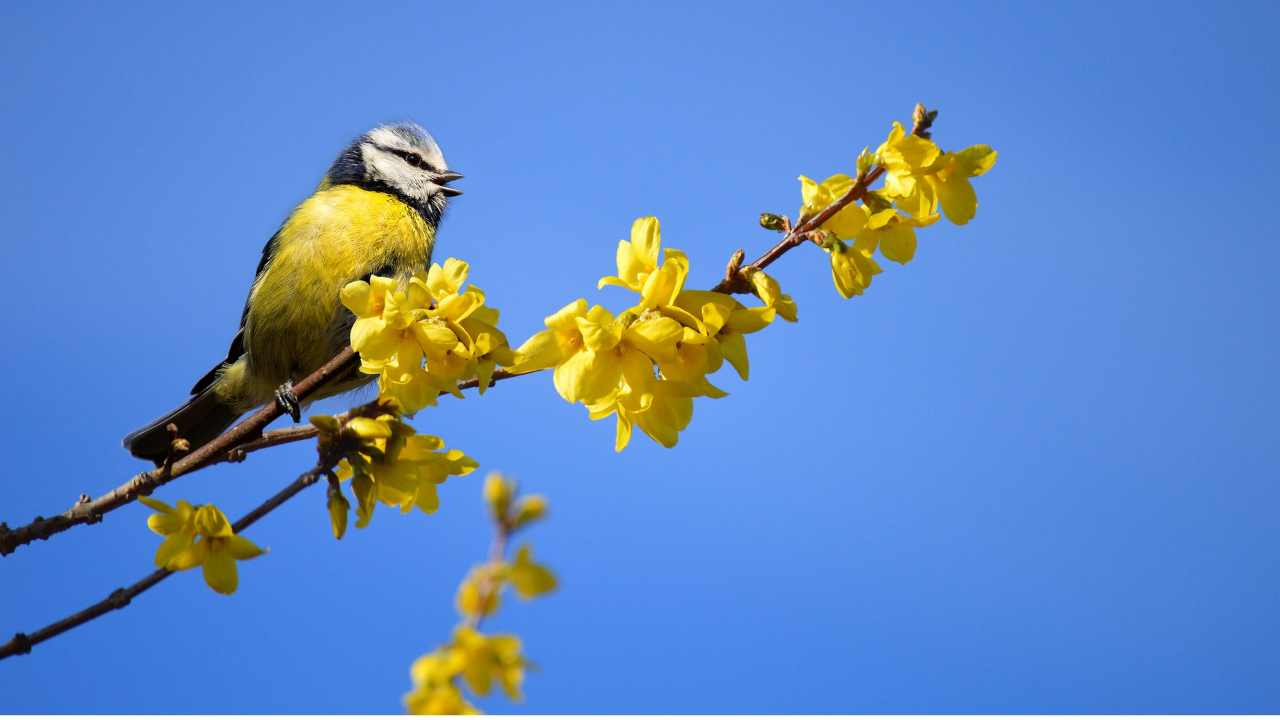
237	342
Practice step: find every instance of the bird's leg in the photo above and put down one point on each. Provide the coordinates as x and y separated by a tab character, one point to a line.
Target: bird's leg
288	402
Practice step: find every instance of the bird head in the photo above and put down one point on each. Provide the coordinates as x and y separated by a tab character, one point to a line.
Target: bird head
401	159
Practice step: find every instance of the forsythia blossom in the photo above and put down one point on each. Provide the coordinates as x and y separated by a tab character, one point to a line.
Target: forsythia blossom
647	364
918	178
387	461
422	338
217	549
471	656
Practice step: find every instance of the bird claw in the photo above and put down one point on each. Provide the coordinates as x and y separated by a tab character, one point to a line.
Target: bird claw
288	402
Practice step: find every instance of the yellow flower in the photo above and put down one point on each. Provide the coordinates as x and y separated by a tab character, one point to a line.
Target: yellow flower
639	270
583	369
529	578
906	158
727	322
176	525
434	692
480	593
401	469
433	322
444	281
768	290
485	658
894	233
951	181
851	267
381	316
443	699
217	550
664	418
845	224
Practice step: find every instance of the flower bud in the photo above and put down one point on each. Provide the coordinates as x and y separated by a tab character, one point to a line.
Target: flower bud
769	221
325	423
338	509
498	492
865	161
529	509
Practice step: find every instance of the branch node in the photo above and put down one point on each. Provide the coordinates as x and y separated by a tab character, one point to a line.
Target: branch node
21	644
118	598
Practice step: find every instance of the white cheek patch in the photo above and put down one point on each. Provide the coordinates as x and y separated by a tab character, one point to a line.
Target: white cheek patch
392	170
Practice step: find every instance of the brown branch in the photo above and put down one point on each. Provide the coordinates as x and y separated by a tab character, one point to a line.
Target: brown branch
224	448
22	643
736	281
502	528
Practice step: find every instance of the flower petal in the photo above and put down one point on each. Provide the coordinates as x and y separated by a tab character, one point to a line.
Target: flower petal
242	548
220	572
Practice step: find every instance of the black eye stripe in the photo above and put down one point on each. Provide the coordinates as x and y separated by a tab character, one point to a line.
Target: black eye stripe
413	159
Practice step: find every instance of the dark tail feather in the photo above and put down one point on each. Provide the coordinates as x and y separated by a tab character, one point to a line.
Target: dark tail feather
202	419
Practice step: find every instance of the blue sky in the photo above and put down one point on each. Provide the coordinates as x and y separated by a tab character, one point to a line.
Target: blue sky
1033	471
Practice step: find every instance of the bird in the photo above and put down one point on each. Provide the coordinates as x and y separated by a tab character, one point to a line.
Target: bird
375	212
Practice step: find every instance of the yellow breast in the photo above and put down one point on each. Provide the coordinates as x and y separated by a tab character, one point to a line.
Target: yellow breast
336	236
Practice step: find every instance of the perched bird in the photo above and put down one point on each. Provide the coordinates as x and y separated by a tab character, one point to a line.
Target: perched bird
374	213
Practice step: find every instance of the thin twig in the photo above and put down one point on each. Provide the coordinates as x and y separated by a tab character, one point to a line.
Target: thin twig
736	282
22	643
488	586
221	449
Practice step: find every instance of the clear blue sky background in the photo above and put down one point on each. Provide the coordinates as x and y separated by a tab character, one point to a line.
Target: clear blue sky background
1033	471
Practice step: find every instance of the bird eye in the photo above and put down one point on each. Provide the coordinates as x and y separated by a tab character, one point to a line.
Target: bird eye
412	159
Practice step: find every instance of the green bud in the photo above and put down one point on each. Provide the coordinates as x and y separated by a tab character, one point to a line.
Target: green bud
498	492
865	161
530	508
769	221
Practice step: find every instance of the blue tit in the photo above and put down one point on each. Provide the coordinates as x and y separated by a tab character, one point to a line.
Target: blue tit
374	213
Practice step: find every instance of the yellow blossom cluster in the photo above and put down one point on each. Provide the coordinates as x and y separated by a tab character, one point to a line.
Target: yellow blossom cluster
199	536
919	178
472	656
387	461
423	337
648	363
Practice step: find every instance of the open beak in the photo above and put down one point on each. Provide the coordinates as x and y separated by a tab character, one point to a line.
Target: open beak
443	179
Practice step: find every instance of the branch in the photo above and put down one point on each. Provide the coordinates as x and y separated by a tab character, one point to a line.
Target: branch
737	282
497	554
22	643
736	279
224	448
